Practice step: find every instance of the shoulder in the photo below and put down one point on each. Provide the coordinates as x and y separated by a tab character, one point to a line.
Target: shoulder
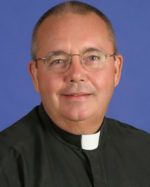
20	132
20	139
125	129
126	135
20	145
127	150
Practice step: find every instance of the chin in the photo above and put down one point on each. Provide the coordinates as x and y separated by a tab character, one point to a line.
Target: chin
78	116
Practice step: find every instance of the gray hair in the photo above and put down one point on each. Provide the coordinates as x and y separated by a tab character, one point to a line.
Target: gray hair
76	7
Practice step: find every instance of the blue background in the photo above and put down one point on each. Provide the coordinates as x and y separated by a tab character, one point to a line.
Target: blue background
131	21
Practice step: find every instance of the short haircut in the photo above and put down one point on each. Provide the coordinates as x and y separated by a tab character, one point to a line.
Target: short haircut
76	7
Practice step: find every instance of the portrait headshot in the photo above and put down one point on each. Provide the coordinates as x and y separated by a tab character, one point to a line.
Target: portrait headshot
75	94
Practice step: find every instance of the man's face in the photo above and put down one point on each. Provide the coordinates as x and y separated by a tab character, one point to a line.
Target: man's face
77	94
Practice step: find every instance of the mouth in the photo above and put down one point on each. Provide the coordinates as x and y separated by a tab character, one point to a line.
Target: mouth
77	96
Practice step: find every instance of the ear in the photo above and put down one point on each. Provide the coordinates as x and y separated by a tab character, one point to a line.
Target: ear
33	71
118	68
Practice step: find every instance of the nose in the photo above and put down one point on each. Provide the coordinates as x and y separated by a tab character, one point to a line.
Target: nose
76	72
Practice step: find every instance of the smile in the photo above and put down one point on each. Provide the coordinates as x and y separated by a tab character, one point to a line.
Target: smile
77	96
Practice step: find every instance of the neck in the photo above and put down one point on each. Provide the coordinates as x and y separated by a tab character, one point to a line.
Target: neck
88	126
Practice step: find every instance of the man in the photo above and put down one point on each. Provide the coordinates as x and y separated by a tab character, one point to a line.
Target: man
67	140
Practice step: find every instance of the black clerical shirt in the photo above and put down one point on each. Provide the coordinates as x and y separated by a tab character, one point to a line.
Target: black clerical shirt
34	152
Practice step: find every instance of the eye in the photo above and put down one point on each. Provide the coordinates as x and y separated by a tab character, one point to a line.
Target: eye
57	61
93	58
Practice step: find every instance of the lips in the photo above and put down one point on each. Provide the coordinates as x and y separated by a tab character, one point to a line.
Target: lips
77	94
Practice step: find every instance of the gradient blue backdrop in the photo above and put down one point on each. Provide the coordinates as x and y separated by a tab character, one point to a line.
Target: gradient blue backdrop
131	21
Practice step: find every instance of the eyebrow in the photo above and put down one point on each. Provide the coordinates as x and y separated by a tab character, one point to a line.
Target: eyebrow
61	52
90	49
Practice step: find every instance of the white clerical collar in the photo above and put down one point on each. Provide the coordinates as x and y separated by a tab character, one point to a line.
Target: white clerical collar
90	141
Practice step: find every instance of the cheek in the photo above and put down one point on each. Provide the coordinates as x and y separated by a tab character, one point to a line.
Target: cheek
104	82
49	84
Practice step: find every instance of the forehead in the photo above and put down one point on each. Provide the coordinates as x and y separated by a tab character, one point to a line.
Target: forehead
73	29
